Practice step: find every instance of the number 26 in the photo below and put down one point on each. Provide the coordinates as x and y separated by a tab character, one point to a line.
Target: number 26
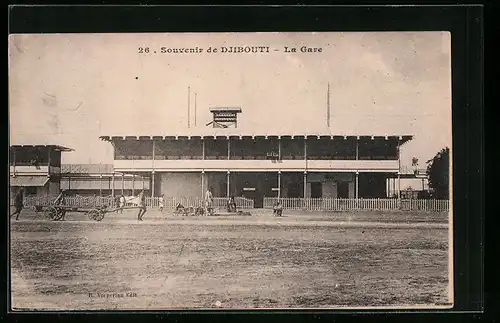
143	50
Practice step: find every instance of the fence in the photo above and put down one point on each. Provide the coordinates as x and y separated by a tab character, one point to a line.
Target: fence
334	204
313	204
218	202
76	201
153	202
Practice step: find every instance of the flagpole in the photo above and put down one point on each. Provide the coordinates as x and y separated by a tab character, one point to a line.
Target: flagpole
189	116
328	106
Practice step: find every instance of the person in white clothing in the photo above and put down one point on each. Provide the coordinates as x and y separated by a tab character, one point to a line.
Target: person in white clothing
161	202
209	201
122	203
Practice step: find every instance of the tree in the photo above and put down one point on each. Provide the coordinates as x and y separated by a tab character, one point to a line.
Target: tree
438	172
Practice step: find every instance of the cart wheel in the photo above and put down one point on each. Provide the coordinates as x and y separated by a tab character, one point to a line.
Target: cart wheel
93	214
100	215
52	213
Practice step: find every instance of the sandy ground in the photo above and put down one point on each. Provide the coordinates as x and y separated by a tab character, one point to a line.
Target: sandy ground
302	260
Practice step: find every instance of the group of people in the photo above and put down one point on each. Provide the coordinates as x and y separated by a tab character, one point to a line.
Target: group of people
19	203
120	203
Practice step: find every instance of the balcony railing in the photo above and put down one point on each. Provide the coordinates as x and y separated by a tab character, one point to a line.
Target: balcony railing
29	169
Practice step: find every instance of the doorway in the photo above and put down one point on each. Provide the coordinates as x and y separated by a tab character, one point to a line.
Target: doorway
343	190
316	190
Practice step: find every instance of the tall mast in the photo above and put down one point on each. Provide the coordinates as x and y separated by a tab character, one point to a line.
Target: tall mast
328	106
189	116
195	94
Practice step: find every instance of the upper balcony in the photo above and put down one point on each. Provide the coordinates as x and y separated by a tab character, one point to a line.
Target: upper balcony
297	153
258	148
29	170
257	165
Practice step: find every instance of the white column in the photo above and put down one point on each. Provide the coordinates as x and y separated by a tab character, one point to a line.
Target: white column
279	184
228	179
153	183
14	160
228	148
133	184
279	148
113	184
305	184
305	148
357	148
100	185
399	171
202	183
123	184
203	147
357	185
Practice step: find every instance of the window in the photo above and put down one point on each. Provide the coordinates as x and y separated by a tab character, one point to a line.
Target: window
30	190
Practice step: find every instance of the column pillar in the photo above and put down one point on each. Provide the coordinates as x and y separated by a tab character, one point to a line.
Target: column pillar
305	184
14	161
153	183
357	185
279	148
228	148
49	159
399	171
133	184
113	184
357	148
100	184
203	148
123	184
305	148
202	183
279	184
228	179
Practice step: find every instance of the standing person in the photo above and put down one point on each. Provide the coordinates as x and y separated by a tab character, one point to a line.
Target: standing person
18	203
208	200
117	203
122	203
142	206
231	205
278	209
161	202
61	200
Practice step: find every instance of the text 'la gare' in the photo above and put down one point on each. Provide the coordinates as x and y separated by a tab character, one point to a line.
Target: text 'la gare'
303	49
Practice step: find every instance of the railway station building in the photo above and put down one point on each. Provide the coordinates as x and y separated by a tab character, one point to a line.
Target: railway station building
232	162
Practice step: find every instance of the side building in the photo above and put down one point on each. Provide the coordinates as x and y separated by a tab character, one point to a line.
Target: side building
100	180
36	168
251	165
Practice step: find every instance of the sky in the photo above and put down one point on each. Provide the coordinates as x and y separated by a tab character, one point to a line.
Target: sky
69	89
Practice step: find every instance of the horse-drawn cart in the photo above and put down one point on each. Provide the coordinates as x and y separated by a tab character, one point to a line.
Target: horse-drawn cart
57	212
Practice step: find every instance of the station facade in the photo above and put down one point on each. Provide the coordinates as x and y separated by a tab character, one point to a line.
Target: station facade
233	163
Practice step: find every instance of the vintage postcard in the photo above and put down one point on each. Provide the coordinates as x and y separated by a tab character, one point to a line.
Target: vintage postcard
157	171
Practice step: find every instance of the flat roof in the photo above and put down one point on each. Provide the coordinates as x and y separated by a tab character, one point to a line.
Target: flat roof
28	181
57	147
225	109
239	135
